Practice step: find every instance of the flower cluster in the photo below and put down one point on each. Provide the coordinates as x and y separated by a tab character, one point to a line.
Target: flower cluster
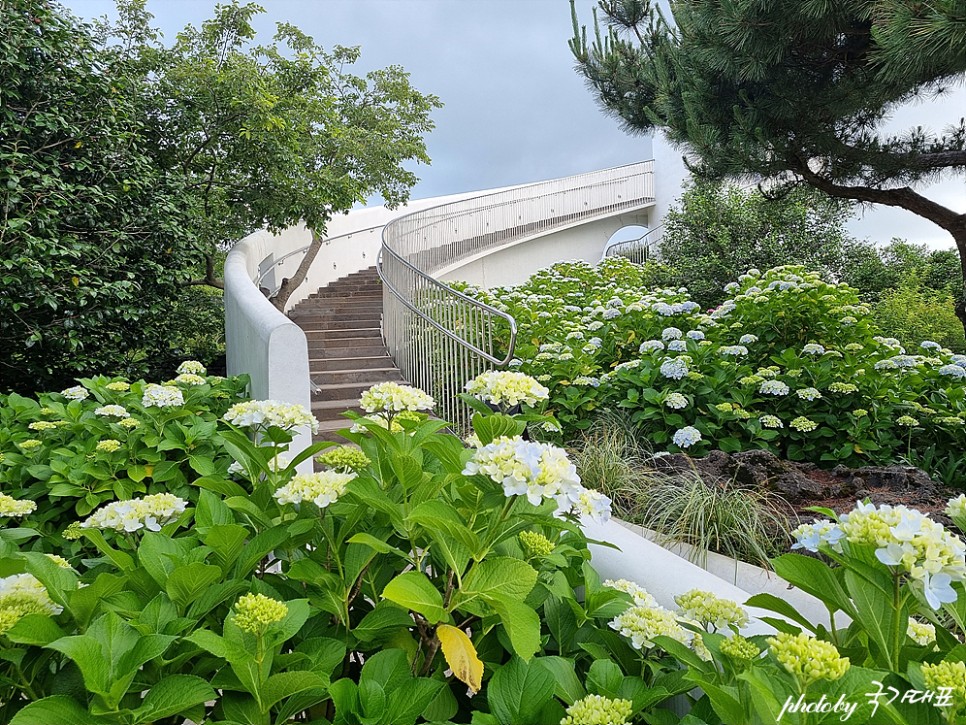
20	595
686	437
641	597
150	512
922	633
270	413
711	611
9	506
255	613
161	396
535	544
598	710
322	488
642	624
806	658
190	379
344	458
191	367
113	411
393	398
913	543
947	677
503	388
78	392
118	386
739	649
108	445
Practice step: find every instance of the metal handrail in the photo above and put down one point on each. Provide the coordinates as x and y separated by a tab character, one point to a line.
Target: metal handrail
511	322
439	337
302	251
637	250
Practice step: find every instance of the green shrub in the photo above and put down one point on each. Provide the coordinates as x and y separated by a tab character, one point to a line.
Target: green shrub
195	575
913	312
717	231
431	583
788	363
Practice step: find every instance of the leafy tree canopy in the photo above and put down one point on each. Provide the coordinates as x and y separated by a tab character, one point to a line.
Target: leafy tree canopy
790	92
127	166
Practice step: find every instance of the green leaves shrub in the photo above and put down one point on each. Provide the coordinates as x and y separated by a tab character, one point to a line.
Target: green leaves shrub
788	363
245	591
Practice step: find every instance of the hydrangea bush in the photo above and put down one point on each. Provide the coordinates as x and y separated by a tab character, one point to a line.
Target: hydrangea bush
408	579
789	363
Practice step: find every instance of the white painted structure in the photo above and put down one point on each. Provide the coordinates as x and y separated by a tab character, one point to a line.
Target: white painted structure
265	344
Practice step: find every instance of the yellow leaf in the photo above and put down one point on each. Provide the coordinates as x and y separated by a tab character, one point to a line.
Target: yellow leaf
75	280
461	656
148	471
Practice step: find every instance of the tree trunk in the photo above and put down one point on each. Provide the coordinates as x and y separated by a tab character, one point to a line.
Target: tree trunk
290	284
904	198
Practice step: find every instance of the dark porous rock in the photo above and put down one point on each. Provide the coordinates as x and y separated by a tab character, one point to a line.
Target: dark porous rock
806	483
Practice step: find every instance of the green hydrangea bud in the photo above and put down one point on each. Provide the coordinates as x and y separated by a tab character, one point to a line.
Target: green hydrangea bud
535	544
255	613
808	659
598	710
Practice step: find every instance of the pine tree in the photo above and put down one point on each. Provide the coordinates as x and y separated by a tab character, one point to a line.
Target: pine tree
791	92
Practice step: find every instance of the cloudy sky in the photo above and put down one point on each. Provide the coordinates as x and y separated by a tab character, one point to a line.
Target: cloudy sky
515	110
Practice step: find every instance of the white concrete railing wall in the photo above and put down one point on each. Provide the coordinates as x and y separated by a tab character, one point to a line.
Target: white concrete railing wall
262	342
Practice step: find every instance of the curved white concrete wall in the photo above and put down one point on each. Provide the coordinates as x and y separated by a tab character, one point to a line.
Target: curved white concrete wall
665	575
515	263
262	342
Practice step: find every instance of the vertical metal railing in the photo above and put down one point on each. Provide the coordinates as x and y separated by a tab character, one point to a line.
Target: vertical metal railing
637	250
440	338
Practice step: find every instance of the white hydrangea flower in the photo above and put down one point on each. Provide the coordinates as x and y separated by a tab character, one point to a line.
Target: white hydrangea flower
813	348
686	437
114	411
527	468
593	504
676	401
642	598
15	508
930	345
322	488
393	398
649	345
953	371
191	367
677	346
670	333
695	335
809	536
498	387
269	413
77	392
808	394
674	368
774	387
161	396
150	512
190	379
747	339
24	594
733	350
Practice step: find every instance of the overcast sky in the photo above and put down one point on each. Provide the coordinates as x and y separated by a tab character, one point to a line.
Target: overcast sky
515	109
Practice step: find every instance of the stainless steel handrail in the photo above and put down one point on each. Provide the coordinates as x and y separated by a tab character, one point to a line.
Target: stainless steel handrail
439	337
302	250
511	322
637	250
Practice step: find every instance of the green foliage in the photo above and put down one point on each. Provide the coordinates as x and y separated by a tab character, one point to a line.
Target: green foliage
787	363
270	595
738	85
716	232
913	313
877	270
92	240
126	167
